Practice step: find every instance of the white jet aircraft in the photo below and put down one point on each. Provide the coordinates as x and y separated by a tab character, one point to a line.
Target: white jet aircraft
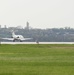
17	37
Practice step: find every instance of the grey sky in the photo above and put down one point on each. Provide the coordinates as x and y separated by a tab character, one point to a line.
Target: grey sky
39	13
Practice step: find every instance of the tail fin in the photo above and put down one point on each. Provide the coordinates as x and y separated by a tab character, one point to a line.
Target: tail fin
13	34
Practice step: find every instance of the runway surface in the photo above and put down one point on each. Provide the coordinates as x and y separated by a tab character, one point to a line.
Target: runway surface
36	43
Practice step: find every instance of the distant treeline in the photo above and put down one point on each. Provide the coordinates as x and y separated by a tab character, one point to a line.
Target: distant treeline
42	35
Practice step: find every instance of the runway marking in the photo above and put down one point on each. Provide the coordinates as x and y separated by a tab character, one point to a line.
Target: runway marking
36	43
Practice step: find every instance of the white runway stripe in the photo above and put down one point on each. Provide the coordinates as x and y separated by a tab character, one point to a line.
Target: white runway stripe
36	43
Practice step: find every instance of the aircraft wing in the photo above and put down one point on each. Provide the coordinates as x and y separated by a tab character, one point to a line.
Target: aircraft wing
26	38
7	38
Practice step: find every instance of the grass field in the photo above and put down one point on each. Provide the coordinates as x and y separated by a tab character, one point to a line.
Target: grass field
37	59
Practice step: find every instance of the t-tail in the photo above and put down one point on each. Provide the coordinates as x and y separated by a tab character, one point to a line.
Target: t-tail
13	34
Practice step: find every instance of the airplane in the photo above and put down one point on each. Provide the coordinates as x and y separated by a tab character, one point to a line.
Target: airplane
17	37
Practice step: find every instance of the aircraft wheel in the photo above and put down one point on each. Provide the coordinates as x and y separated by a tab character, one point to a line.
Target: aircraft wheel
13	40
20	40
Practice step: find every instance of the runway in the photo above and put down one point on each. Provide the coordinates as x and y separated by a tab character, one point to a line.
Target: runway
36	43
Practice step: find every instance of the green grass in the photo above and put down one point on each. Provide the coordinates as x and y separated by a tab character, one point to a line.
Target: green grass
37	59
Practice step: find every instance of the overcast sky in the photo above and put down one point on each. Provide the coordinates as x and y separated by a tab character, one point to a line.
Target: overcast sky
39	13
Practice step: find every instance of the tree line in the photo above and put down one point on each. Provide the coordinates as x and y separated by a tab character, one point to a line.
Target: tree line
42	35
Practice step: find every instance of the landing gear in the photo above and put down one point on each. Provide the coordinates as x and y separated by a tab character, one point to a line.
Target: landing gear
17	40
14	40
20	40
